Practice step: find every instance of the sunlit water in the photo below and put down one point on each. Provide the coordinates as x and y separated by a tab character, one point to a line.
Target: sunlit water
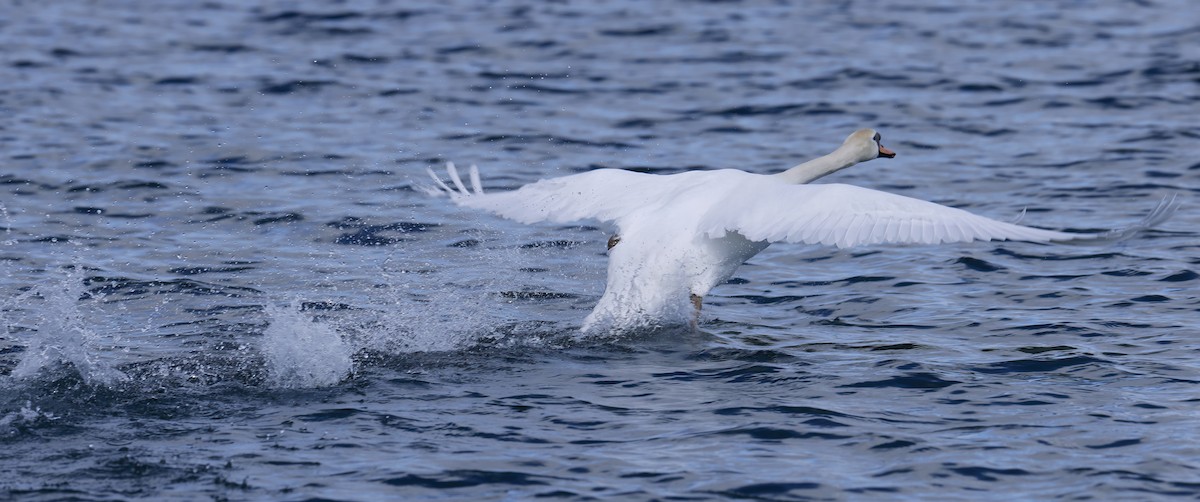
220	279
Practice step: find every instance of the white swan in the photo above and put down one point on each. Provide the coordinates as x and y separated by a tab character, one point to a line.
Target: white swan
680	235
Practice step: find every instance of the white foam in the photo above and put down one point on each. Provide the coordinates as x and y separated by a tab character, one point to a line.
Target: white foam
28	414
439	319
61	334
301	352
442	311
8	240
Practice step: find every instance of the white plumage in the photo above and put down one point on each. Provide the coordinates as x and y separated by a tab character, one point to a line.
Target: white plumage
681	235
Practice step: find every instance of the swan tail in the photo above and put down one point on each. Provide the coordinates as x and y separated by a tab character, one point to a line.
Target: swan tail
456	179
458	190
475	183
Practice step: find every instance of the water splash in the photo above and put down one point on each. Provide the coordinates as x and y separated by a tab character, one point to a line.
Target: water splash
449	310
301	352
28	414
8	240
438	319
61	334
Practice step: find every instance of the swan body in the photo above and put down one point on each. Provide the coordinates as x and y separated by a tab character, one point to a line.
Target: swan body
680	235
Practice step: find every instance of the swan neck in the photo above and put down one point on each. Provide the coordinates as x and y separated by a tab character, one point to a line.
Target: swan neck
818	167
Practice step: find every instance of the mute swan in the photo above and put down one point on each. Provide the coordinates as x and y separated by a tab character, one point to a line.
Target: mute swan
680	235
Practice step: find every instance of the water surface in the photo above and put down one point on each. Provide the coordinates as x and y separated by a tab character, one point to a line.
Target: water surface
221	280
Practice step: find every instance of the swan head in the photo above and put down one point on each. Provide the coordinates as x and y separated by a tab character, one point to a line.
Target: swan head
864	145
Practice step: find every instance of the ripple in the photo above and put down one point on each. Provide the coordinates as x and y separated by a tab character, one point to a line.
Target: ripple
1115	444
366	234
776	434
907	381
207	270
539	138
979	265
295	86
1181	276
786	410
108	286
537	295
330	414
890	445
468	478
280	218
768	491
988	474
753	110
1039	365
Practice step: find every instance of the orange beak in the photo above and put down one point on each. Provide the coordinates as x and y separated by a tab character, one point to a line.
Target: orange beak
884	152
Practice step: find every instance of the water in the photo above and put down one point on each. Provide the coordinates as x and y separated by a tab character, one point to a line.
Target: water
221	281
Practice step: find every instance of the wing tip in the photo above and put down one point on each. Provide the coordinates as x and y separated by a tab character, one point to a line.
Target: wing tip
1164	210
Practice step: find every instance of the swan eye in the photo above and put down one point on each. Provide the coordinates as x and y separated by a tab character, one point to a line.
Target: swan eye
877	137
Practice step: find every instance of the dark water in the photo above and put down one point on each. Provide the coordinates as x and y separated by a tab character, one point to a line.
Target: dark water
219	280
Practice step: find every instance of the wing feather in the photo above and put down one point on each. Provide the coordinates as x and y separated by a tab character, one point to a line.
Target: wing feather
905	234
847	216
891	230
760	208
854	230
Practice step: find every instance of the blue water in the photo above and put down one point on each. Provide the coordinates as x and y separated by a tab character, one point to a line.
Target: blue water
220	279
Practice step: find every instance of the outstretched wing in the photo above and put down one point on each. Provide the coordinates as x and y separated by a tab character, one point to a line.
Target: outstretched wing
847	216
603	194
